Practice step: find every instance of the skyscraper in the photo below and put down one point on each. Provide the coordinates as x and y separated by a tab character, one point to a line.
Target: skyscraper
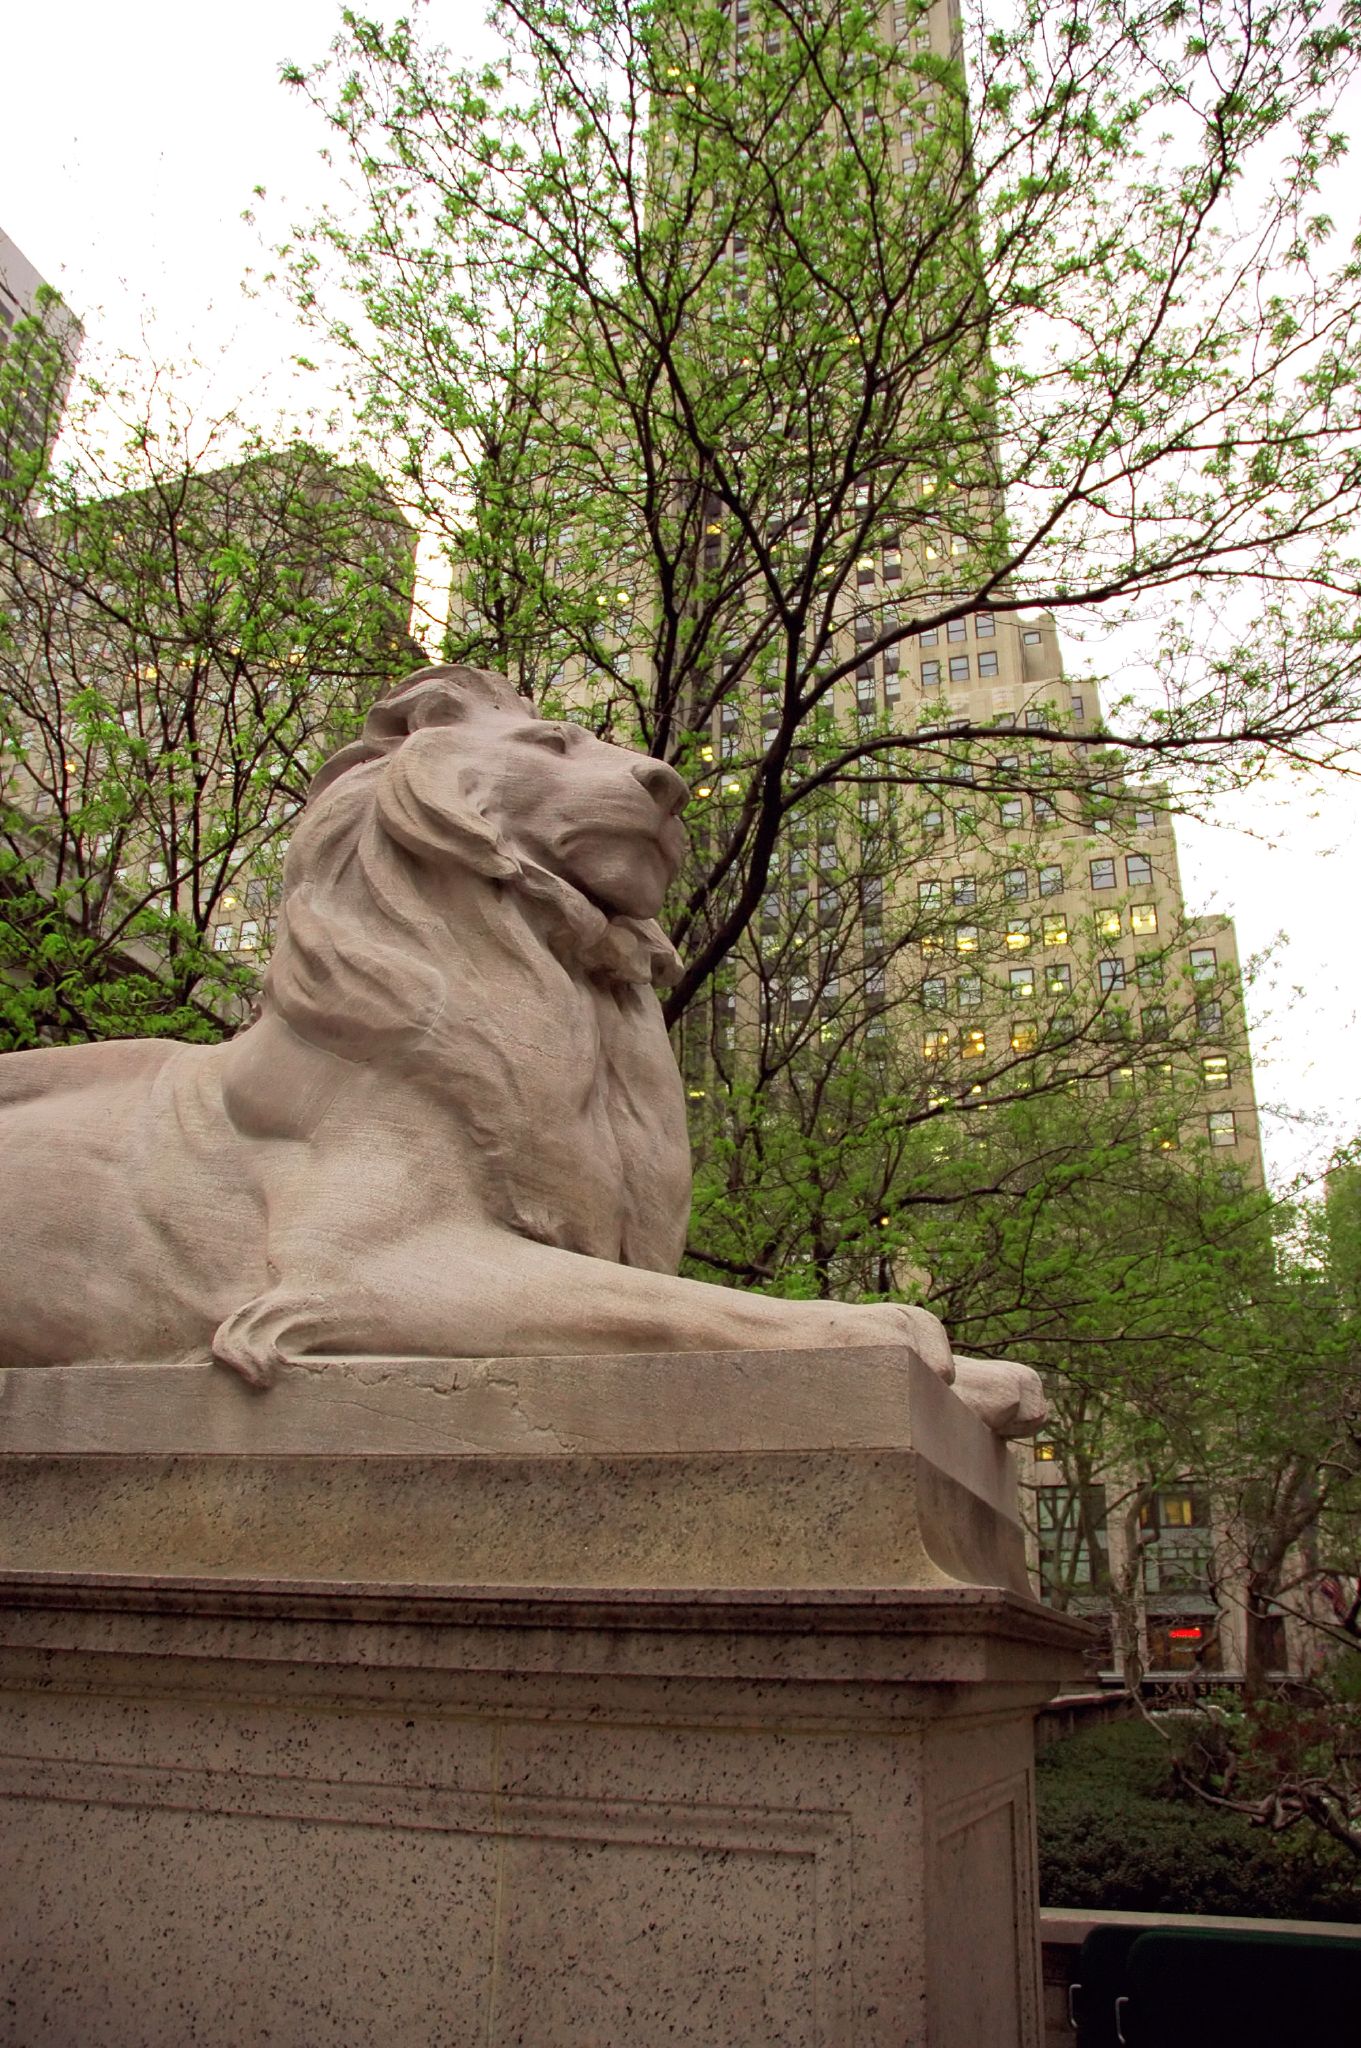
47	337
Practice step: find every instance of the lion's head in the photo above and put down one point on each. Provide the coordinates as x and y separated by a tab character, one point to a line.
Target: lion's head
487	780
456	778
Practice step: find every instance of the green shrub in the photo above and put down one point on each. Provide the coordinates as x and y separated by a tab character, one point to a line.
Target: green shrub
1116	1834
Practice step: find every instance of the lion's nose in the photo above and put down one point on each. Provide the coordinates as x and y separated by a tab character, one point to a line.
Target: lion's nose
666	788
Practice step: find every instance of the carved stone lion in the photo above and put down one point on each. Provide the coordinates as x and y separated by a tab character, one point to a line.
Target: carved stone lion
456	1128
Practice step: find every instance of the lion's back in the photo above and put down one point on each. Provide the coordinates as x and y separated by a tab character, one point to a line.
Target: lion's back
45	1071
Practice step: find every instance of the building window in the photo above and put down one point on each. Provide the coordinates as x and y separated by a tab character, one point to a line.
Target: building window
1045	813
933	993
893	565
1102	873
964	890
1013	811
1024	1037
1056	931
957	630
1120	1081
1031	639
1143	920
1076	706
929	895
930	675
984	625
1145	820
1210	1019
1035	721
1015	887
1022	983
224	938
936	1044
1019	934
1214	1070
987	662
250	936
932	942
1110	974
1204	963
966	938
1051	881
869	808
1108	924
1223	1127
973	1044
969	991
959	668
1153	1020
1058	978
933	824
1138	871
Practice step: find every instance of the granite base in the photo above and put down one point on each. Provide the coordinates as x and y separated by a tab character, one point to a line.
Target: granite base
724	1741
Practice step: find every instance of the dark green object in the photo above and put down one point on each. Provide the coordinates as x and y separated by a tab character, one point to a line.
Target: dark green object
1100	1980
1193	1988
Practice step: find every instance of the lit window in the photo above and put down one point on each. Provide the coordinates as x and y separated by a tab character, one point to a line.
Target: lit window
930	675
224	938
936	1044
1103	874
932	942
1120	1081
964	889
1045	1452
250	936
1214	1070
957	630
1204	963
933	993
1051	881
1019	934
864	569
1138	871
966	938
973	1044
1015	886
1056	931
1013	811
1058	978
959	668
1024	1038
928	894
1110	974
1108	924
1022	983
987	662
1143	920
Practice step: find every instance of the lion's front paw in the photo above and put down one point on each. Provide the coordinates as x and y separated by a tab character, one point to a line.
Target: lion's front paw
1007	1396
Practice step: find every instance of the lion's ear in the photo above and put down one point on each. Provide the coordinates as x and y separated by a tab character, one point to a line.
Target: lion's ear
427	802
440	696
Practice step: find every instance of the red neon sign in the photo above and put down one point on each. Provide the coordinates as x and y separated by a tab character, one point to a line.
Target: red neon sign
1184	1635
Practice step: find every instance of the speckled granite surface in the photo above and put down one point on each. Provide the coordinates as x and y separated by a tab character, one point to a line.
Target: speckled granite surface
343	1789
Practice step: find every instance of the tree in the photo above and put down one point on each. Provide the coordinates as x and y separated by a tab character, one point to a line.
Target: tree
187	627
730	348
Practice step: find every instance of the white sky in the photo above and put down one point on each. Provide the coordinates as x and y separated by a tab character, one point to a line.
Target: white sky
132	140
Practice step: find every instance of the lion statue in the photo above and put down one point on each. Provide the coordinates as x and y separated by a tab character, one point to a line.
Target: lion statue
455	1128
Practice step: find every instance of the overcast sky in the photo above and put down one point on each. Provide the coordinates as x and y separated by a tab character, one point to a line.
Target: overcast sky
132	140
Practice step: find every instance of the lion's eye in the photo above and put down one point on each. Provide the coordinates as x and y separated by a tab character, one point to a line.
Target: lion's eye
551	736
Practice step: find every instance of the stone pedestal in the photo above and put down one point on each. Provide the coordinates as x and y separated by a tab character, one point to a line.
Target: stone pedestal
556	1702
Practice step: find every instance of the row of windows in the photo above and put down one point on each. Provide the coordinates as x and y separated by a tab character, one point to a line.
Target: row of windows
226	939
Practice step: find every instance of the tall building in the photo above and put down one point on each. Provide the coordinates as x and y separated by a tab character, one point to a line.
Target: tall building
48	358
